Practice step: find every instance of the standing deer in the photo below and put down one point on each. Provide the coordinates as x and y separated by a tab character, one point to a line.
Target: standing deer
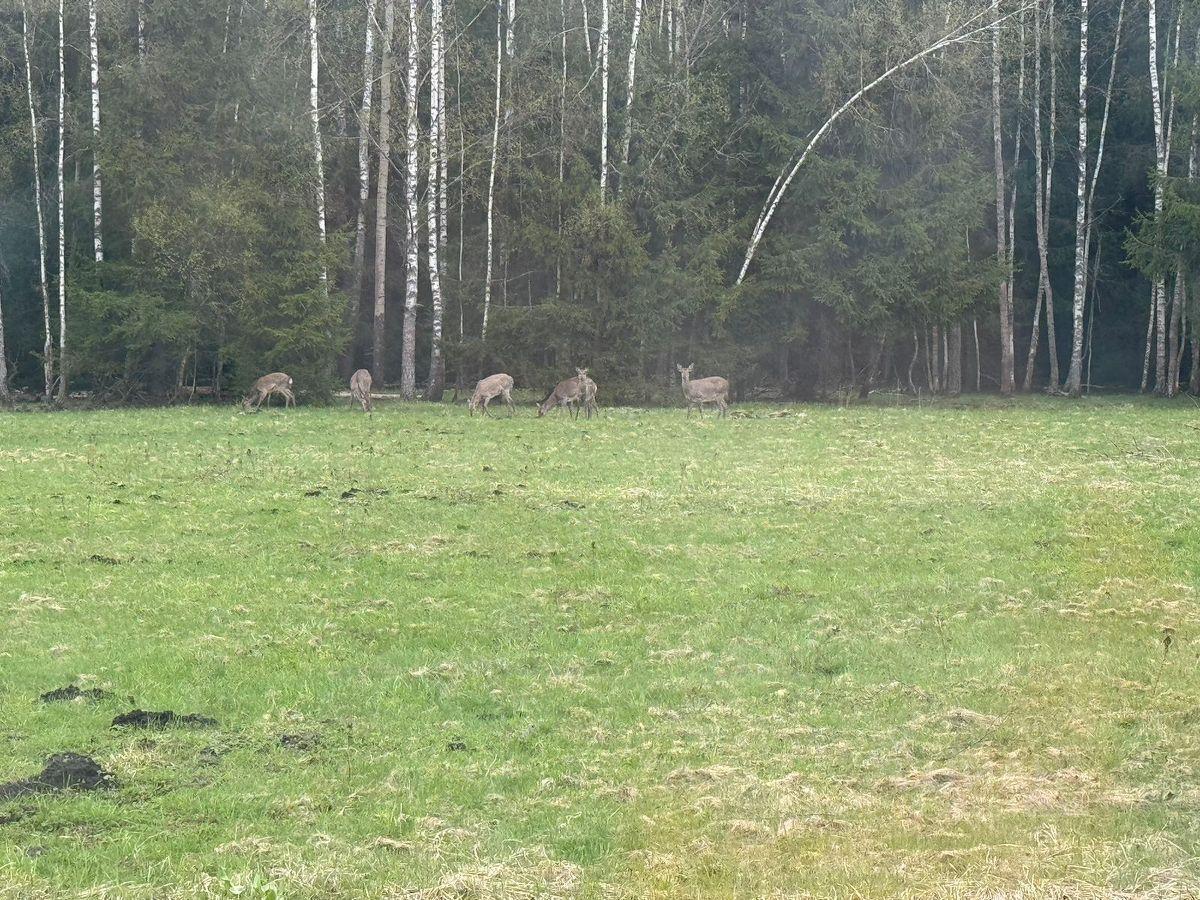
275	383
566	393
704	390
589	392
360	390
490	388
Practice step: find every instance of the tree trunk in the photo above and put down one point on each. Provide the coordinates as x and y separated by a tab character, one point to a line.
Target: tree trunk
358	275
97	191
631	80
491	200
62	218
1075	373
954	361
587	31
35	143
1158	307
1006	319
603	99
4	396
562	151
963	33
314	112
1040	202
381	194
1194	386
141	31
408	358
433	193
1051	158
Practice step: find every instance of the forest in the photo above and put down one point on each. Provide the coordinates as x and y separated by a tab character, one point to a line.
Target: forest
816	198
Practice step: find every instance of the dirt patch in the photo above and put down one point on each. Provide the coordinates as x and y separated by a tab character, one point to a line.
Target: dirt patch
354	492
144	718
300	741
63	771
74	692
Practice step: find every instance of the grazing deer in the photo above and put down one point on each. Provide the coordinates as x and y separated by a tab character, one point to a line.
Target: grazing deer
360	390
566	393
704	390
275	383
490	388
589	392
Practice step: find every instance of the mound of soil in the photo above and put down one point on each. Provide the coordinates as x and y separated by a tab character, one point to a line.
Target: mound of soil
144	718
74	692
63	771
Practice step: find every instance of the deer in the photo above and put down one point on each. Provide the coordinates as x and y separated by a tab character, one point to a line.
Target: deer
704	390
566	393
360	390
275	383
589	392
488	389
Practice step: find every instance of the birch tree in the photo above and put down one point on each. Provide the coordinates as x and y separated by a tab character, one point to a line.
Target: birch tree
314	112
1043	176
433	192
36	159
562	150
379	343
1157	302
4	396
1006	313
62	218
97	191
603	99
1075	373
408	350
491	195
630	82
364	167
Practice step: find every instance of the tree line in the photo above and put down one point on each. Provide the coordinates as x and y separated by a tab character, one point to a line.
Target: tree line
814	197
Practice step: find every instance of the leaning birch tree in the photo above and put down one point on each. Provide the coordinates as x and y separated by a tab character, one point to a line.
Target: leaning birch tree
97	190
408	349
379	341
433	192
630	83
491	195
1075	373
314	112
36	159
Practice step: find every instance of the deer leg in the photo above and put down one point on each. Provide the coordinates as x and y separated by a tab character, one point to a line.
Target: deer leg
512	407
487	412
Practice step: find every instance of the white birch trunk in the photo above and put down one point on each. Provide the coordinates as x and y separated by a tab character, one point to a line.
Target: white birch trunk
562	150
964	32
408	357
433	192
1075	373
62	190
1040	202
587	31
631	80
603	100
379	343
1011	213
314	112
1158	302
1005	310
1051	158
35	152
141	31
487	279
97	191
4	397
364	167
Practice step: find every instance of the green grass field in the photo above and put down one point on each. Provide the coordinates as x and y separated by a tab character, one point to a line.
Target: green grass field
805	651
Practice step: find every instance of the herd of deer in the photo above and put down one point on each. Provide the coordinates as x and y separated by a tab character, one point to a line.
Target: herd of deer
572	393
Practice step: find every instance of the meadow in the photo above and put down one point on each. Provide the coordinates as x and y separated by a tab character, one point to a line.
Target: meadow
945	651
